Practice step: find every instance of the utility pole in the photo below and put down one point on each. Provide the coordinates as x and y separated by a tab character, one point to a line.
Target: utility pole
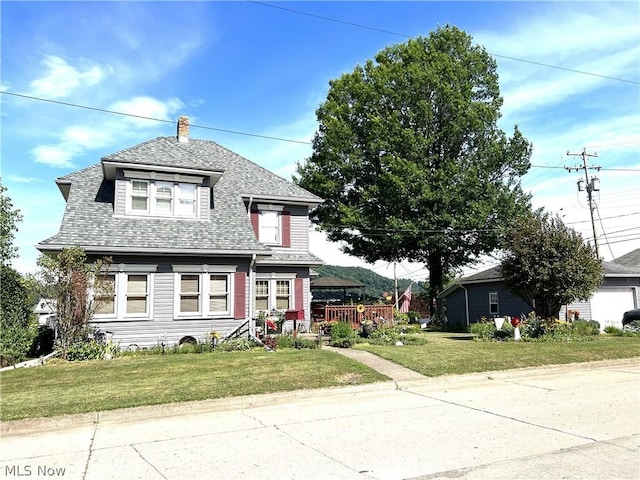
589	184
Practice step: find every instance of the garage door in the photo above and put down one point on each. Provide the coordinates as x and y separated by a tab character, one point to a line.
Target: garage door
608	305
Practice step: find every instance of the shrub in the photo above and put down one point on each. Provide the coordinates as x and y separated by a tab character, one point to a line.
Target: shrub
18	322
89	350
484	329
385	336
584	327
342	335
615	331
235	345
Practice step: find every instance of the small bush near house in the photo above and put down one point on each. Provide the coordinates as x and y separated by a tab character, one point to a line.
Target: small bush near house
483	329
615	331
89	350
237	344
342	335
584	327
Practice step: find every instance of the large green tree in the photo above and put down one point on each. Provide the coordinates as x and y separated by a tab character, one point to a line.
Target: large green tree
409	158
548	264
9	219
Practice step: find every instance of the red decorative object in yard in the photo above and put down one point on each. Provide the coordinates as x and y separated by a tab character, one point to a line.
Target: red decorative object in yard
515	321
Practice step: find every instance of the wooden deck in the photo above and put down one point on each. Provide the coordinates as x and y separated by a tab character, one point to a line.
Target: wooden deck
381	314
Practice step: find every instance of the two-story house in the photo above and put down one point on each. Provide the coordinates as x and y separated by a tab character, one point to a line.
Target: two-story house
201	239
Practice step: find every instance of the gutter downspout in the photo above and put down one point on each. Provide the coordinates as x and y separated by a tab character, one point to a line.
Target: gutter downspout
252	281
466	303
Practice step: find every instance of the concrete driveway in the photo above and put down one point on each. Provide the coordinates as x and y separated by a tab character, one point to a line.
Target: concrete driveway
580	421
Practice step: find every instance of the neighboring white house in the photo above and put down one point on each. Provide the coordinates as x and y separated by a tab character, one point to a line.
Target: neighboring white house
46	311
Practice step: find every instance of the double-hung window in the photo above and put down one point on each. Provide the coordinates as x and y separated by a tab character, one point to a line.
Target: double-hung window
190	294
105	295
269	227
164	198
122	295
137	295
139	196
493	303
203	294
273	294
186	204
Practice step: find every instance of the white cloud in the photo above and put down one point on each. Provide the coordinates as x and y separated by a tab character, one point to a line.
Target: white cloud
75	140
20	179
149	107
61	79
57	156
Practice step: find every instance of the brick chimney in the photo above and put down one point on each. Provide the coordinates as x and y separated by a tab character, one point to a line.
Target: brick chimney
183	129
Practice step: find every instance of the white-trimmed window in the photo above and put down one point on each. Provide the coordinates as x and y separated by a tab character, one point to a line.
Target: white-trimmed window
219	302
186	203
493	303
137	301
262	295
269	227
283	294
105	295
189	294
273	294
123	295
203	294
162	198
139	196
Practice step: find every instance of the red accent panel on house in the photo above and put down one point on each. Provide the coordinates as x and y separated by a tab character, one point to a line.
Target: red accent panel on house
240	295
286	229
255	222
299	298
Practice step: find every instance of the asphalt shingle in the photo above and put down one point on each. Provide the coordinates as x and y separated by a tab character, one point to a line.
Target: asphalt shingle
89	220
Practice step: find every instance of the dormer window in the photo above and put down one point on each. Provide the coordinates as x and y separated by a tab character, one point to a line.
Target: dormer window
272	224
162	198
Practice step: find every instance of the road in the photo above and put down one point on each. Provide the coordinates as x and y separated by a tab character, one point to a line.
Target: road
580	421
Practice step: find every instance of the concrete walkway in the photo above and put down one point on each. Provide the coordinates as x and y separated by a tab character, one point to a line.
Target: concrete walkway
395	372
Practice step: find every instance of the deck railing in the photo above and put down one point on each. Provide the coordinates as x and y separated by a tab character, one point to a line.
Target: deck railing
381	314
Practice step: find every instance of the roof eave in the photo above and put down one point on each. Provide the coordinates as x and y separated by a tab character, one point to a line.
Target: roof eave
155	251
310	202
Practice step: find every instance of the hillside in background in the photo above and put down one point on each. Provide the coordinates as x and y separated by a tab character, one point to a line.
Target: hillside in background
375	284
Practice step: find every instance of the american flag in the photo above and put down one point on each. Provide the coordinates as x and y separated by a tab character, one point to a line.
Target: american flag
405	300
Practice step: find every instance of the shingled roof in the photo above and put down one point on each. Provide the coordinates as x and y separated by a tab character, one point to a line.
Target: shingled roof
89	222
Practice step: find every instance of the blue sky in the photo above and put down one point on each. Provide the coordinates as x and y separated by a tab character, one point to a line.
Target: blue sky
263	69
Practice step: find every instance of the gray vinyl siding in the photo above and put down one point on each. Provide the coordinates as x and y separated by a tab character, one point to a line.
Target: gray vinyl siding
120	196
299	228
162	326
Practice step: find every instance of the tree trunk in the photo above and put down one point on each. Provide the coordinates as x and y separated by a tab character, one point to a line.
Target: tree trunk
435	287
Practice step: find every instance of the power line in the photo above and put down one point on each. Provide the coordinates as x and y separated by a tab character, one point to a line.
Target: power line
404	35
162	120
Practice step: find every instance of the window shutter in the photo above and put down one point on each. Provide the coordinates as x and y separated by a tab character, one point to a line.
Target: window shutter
239	296
286	229
299	294
255	216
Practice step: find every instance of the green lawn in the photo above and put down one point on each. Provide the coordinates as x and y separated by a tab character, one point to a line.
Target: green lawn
447	353
63	388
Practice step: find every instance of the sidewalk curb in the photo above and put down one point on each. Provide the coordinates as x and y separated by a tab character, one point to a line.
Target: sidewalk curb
41	425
